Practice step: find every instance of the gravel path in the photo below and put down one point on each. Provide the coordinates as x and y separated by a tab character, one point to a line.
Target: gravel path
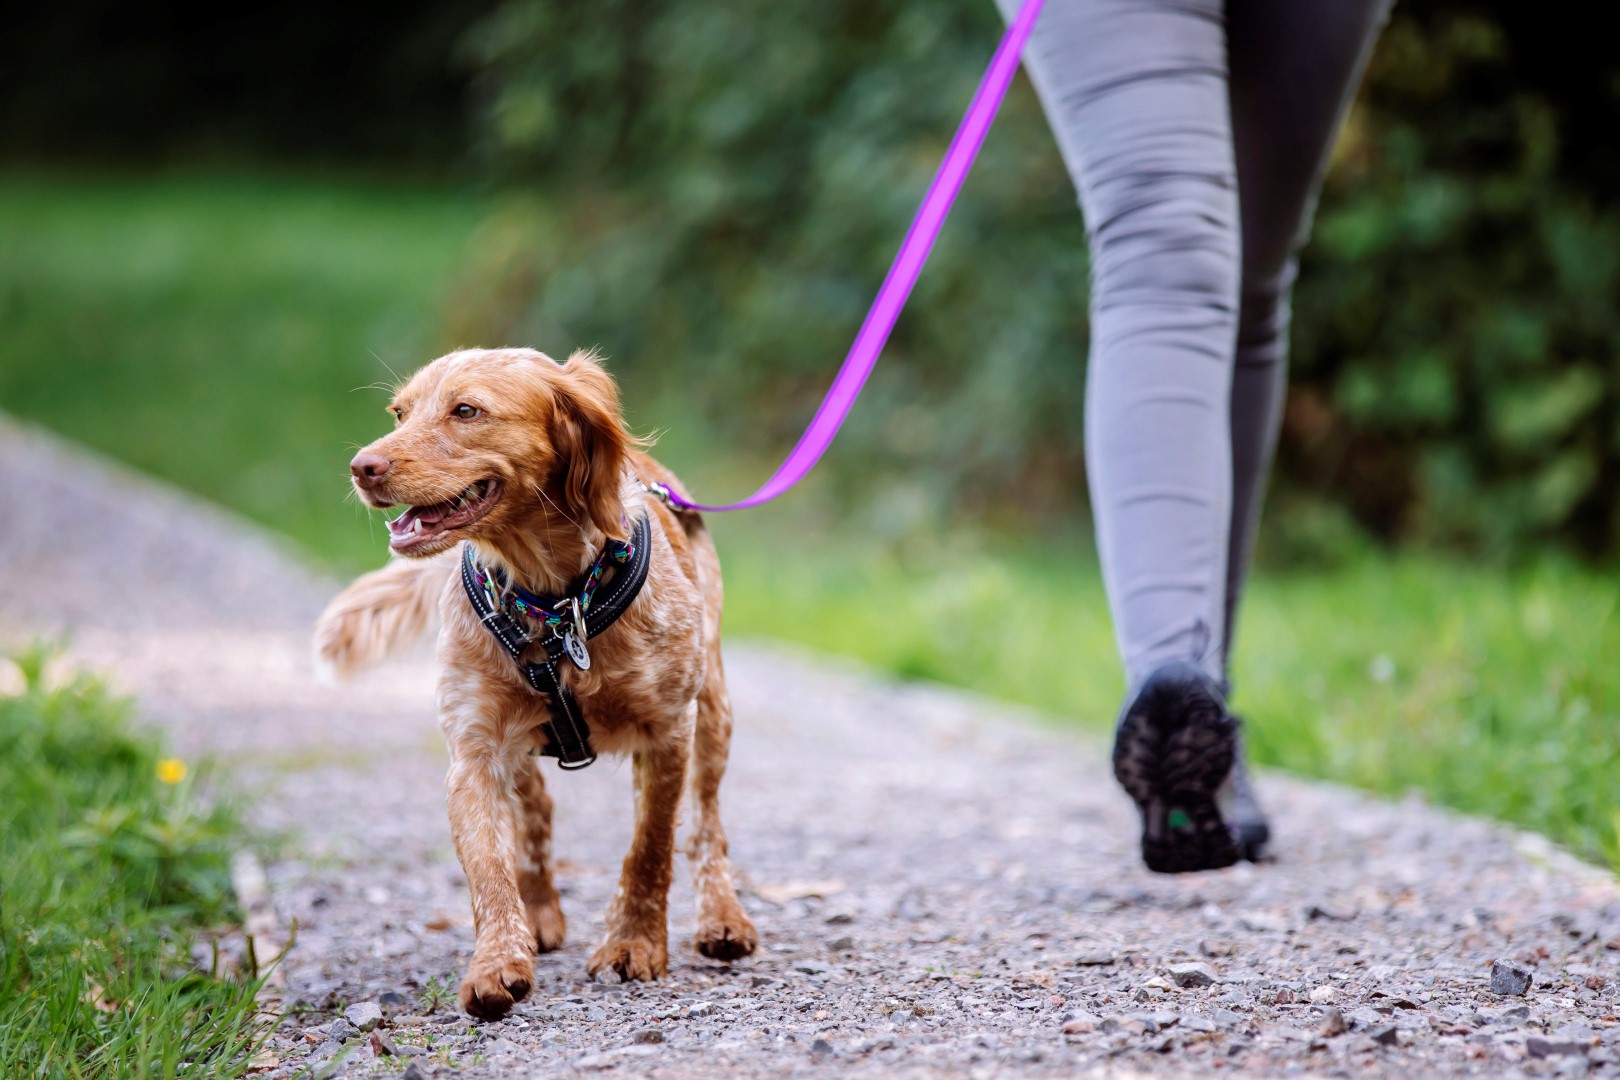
944	885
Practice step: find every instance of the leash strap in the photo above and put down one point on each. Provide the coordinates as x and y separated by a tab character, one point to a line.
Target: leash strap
908	263
568	735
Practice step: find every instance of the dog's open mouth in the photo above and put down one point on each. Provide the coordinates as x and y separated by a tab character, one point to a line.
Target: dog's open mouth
420	524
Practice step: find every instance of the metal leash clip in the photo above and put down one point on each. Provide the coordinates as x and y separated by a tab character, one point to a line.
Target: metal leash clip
660	491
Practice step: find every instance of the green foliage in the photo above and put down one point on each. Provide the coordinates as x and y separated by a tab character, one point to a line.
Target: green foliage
718	186
711	192
105	872
223	331
717	191
437	994
1457	341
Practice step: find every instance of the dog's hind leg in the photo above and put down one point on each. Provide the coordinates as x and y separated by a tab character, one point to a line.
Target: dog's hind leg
535	884
637	942
723	930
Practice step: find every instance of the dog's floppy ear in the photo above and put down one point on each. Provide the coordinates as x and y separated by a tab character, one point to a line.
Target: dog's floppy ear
592	444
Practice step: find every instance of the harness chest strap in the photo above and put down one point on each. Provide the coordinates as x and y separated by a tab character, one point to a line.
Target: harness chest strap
568	735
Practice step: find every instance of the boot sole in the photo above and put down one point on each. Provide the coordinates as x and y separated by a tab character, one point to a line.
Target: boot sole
1173	771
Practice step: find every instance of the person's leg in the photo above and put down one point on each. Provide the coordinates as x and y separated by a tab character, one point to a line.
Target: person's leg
1135	91
1136	94
1294	65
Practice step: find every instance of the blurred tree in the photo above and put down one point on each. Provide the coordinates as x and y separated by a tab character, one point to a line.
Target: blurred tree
93	80
719	189
1457	335
712	190
719	186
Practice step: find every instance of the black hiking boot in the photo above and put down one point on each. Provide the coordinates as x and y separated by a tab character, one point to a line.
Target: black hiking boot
1241	809
1174	751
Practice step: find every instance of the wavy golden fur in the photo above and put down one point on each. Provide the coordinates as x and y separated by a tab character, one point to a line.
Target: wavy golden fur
530	462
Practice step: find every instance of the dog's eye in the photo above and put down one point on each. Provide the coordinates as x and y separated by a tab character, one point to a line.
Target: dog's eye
464	412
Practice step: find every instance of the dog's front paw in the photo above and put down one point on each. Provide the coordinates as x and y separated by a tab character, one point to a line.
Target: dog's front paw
635	958
727	934
494	984
547	924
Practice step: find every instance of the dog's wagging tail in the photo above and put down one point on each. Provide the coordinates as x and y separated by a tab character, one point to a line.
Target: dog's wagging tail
529	461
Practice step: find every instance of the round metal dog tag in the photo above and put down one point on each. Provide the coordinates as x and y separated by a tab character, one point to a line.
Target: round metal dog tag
576	650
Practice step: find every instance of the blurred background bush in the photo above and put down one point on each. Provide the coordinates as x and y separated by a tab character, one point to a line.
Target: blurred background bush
218	228
738	175
710	190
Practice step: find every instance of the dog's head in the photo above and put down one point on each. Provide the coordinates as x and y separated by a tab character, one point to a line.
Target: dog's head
485	438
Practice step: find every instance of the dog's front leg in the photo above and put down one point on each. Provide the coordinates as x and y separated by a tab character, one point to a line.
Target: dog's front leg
482	796
637	942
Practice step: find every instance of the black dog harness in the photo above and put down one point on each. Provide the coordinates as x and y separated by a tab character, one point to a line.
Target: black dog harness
583	613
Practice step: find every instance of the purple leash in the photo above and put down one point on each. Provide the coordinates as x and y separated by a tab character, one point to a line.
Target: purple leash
908	263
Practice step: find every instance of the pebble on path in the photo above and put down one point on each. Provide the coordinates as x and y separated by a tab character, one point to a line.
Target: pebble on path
1510	979
1193	975
1539	1047
364	1015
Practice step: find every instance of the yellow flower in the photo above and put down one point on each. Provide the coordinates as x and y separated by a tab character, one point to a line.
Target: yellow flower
171	770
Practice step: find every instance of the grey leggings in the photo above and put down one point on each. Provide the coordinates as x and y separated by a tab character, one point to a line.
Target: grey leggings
1197	133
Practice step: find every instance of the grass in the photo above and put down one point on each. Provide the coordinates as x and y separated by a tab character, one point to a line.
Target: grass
109	863
220	331
1498	693
212	330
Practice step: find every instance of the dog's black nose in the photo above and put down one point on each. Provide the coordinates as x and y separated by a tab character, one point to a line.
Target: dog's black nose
368	467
